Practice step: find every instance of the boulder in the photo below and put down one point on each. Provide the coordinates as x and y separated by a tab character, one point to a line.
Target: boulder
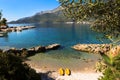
23	49
24	52
40	49
31	51
52	46
12	50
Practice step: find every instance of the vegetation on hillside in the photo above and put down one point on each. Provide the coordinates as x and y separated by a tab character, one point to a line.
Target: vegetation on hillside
44	18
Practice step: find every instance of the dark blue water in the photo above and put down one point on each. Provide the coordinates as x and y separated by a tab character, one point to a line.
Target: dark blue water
44	34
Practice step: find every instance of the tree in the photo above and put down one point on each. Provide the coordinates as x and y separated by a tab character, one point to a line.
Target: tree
104	14
12	68
105	17
0	14
0	17
4	21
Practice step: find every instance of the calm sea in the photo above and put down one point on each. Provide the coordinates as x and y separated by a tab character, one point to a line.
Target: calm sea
44	34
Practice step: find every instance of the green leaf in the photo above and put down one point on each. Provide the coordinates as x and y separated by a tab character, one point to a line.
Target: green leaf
107	59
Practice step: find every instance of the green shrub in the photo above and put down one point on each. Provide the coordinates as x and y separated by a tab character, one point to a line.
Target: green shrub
112	63
13	68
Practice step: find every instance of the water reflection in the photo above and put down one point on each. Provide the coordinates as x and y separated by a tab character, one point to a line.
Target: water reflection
44	34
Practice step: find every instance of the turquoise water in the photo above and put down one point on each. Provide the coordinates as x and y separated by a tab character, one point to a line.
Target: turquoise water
65	34
44	34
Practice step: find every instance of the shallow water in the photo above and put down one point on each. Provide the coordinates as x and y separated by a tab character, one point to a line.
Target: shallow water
74	63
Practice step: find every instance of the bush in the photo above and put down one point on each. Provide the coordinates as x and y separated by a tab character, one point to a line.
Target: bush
111	66
13	68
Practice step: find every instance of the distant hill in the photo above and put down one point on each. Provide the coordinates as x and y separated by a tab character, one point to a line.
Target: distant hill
53	16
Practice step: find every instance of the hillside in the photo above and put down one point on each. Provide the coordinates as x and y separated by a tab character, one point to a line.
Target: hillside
53	16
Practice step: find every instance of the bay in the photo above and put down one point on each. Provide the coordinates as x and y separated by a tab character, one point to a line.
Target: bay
66	35
44	34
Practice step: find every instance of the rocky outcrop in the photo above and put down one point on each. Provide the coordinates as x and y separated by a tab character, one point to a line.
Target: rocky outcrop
40	49
92	48
4	31
52	47
31	51
13	29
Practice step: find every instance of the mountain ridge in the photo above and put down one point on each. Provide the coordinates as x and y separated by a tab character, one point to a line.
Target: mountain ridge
55	15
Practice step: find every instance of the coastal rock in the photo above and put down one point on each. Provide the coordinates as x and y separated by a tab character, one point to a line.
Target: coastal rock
52	47
18	28
31	51
23	49
24	52
40	49
115	51
13	51
92	48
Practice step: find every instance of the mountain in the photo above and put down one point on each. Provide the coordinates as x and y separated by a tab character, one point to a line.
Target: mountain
50	11
53	16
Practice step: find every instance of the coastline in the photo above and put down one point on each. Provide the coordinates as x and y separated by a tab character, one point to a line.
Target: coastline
48	73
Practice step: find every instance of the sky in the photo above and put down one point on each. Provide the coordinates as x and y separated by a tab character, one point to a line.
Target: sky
16	9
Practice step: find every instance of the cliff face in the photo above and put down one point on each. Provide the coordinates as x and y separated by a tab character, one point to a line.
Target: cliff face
54	15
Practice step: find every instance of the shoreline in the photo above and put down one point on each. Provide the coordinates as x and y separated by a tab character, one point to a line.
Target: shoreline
18	28
48	66
75	75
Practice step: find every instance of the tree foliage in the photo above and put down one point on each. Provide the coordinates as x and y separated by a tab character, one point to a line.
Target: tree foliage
105	17
0	14
104	14
3	21
12	68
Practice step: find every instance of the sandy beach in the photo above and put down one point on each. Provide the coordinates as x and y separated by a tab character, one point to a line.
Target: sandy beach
50	74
